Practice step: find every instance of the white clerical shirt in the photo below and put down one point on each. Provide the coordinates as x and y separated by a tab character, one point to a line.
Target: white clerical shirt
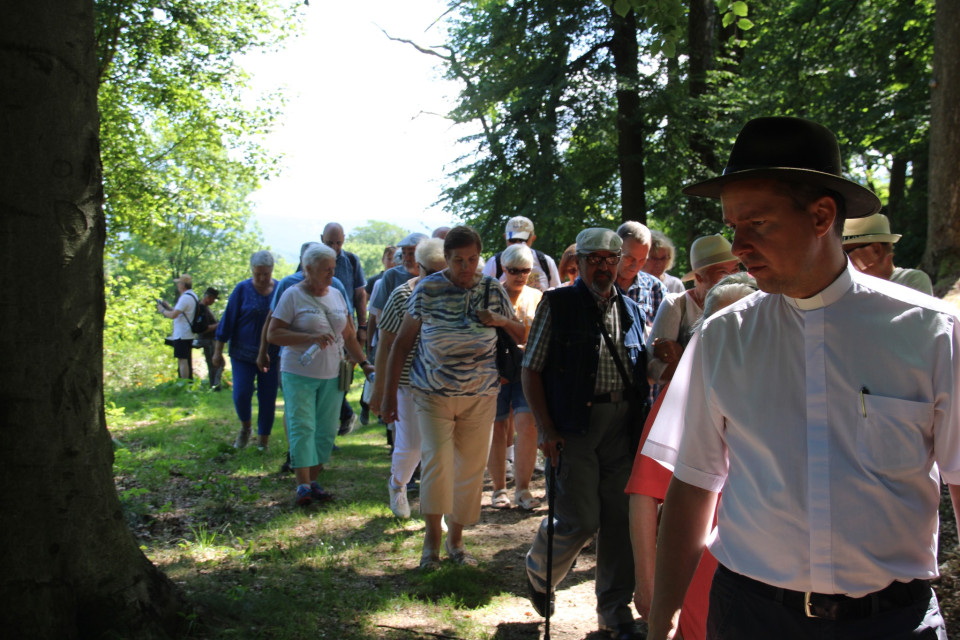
824	421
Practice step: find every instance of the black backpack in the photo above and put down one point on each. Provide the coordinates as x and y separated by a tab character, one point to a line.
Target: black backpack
540	256
199	323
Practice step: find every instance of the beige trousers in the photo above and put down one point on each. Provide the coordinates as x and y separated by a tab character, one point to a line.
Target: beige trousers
455	437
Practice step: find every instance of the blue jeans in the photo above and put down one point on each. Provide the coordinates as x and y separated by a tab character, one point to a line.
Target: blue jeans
245	377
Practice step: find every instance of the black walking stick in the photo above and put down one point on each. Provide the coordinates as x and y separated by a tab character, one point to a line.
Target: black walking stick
551	506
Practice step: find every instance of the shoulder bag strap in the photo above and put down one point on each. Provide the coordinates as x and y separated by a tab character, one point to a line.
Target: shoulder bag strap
613	352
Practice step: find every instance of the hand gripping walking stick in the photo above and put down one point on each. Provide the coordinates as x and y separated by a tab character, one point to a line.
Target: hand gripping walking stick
551	509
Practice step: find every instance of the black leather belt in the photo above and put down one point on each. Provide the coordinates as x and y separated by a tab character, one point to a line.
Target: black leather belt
836	606
613	396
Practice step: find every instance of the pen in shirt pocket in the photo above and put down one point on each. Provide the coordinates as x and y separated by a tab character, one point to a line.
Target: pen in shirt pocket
863	405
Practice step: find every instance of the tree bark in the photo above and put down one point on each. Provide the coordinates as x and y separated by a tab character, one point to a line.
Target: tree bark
630	141
942	256
69	566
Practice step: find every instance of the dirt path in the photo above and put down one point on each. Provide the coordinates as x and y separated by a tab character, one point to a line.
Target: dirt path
501	539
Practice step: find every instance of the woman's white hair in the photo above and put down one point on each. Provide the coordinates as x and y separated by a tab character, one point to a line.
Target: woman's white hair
429	253
316	254
261	259
517	256
727	291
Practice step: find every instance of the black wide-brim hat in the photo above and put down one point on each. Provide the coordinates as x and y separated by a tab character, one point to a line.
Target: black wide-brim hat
791	149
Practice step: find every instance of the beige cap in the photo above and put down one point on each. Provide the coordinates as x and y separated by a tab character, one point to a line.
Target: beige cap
185	279
875	228
706	251
519	228
598	239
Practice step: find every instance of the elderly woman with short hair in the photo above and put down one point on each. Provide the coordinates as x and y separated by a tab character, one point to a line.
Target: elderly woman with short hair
313	313
455	382
517	261
241	326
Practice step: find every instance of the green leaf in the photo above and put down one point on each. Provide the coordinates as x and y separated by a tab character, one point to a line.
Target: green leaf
622	7
739	8
728	19
723	6
744	24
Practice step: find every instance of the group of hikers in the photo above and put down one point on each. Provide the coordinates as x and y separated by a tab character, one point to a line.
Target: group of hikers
757	455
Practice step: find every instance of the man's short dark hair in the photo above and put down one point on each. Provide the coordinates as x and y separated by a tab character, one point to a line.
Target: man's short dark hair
803	194
213	293
459	237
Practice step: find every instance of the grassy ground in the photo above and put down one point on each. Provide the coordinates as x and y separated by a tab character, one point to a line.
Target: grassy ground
222	525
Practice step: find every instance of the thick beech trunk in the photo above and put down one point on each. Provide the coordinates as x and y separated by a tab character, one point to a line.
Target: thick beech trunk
626	53
69	566
942	257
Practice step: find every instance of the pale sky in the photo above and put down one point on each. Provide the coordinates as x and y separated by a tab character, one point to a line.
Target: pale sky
363	132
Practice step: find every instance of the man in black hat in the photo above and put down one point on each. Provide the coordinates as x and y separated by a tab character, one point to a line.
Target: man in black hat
824	427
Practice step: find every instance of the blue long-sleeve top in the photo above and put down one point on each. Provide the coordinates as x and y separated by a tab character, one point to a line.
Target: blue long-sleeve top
242	322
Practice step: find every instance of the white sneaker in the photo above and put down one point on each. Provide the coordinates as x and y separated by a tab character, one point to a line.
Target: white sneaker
509	474
398	501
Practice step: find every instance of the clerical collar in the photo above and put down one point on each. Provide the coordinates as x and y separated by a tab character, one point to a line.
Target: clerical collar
833	292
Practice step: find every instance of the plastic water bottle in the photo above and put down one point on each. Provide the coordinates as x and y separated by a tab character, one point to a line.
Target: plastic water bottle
307	356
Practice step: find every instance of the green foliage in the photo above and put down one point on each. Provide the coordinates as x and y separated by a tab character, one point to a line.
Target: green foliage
179	143
376	232
538	85
536	80
369	240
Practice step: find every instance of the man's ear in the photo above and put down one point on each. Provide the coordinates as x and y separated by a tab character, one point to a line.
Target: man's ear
824	212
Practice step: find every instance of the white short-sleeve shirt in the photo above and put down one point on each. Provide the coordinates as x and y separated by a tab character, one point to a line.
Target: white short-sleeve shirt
825	422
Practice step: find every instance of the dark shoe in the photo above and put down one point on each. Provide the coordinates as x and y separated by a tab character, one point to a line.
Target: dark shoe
365	415
346	426
625	631
318	494
304	497
539	600
285	467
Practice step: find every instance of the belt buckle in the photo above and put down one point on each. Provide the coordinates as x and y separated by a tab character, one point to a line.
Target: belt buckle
821	611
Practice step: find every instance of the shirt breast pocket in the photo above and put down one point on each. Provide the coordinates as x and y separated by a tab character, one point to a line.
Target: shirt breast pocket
894	435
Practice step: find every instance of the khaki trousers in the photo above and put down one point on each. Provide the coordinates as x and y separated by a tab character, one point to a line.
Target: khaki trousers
455	433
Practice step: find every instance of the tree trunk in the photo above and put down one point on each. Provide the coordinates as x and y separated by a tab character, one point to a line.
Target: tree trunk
69	566
898	192
626	54
942	256
701	24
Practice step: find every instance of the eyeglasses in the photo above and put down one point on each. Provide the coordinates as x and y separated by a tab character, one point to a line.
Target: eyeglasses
517	241
594	260
517	272
850	249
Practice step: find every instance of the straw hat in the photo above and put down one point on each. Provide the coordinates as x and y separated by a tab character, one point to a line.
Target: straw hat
706	251
875	228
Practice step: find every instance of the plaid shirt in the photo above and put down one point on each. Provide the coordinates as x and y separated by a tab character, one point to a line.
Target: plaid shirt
608	377
648	292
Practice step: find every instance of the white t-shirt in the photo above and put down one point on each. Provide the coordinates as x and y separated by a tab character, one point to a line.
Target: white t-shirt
187	305
826	422
675	318
312	314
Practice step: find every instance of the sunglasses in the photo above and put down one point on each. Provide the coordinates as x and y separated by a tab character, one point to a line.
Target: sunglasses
517	272
594	260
